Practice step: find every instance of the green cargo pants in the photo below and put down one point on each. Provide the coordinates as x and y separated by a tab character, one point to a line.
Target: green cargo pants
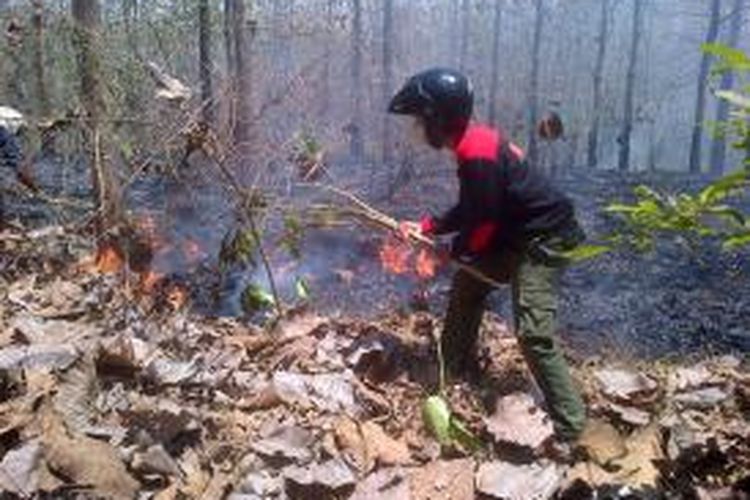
534	289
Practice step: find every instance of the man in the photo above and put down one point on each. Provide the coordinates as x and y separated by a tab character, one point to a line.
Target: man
511	224
11	155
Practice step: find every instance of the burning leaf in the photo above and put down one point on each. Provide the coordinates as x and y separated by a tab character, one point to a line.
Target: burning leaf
148	281
426	264
394	256
109	260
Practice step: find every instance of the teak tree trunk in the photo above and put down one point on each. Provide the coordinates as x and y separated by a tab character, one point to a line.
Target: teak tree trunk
700	102
593	139
623	162
205	60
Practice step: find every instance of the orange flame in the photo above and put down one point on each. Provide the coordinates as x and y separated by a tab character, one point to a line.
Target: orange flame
149	280
426	264
108	260
394	256
177	297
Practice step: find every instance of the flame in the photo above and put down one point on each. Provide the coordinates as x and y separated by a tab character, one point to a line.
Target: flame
177	296
426	264
394	256
108	260
149	280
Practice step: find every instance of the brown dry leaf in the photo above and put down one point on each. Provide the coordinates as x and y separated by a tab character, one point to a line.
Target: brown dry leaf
299	325
638	467
589	473
519	420
86	461
350	441
382	448
518	482
625	385
443	480
385	484
196	476
602	442
218	487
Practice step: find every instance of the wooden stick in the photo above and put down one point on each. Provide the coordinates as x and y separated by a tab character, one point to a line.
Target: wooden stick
385	221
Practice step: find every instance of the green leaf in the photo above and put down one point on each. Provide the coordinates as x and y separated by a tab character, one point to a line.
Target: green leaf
739	100
586	252
733	59
254	298
463	436
437	419
736	241
302	288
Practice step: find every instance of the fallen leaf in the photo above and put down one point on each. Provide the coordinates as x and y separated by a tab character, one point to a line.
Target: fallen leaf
291	443
625	385
602	443
331	392
638	467
38	357
629	415
384	484
18	470
702	398
318	480
443	480
518	482
520	421
86	461
382	448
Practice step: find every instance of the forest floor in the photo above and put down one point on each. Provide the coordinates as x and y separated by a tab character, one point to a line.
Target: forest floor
112	386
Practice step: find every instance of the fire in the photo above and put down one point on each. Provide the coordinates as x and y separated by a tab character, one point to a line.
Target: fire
149	280
177	296
394	255
426	264
108	260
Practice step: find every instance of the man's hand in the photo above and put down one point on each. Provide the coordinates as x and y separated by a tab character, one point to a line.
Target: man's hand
409	229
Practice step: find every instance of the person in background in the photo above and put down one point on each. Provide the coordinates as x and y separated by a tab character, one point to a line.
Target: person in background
12	126
511	224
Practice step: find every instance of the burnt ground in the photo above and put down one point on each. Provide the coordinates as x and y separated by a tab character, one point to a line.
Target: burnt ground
674	301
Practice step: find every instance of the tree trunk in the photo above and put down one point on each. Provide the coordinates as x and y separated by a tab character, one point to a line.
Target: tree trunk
325	101
623	162
356	142
494	82
87	33
465	31
37	21
229	39
593	143
205	62
700	102
130	15
534	80
242	43
388	35
719	144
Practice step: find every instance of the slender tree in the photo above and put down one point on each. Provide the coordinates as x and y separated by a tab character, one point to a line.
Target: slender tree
700	102
601	40
719	145
205	60
533	97
623	162
37	21
388	35
356	142
465	32
87	31
495	72
241	45
325	101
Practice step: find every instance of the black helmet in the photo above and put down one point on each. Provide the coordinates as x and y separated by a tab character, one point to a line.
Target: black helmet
442	98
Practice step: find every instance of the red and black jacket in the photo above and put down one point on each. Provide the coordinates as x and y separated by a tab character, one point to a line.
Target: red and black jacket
502	201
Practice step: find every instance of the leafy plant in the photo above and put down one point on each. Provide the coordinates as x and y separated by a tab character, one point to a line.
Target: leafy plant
254	299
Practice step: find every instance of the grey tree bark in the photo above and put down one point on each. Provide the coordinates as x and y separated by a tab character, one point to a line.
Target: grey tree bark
37	21
205	60
241	46
87	32
719	144
356	142
495	72
465	31
388	39
623	162
325	100
533	97
593	139
700	102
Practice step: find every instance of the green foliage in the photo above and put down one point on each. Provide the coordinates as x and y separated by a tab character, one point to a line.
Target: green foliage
302	287
692	217
291	238
444	425
254	299
238	247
